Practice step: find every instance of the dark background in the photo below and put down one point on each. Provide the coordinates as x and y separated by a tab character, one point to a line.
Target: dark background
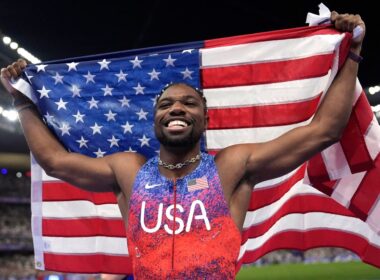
62	29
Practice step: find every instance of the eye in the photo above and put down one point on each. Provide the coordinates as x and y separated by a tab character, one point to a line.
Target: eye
164	105
191	103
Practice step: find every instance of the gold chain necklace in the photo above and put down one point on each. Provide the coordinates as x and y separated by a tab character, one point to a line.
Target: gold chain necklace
179	165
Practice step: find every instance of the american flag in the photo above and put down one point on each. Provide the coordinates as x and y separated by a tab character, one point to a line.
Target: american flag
258	86
197	184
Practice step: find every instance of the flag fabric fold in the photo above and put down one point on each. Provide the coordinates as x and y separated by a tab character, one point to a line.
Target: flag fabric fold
258	86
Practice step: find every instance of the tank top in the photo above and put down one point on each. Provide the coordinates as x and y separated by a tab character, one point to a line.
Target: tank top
206	241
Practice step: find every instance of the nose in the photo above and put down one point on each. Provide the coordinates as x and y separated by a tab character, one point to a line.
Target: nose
177	109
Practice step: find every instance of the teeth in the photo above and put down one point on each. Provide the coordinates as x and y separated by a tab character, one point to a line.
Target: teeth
177	123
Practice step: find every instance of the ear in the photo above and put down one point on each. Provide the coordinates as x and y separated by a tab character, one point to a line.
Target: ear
206	120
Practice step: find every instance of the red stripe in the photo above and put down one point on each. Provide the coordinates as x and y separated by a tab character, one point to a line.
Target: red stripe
352	141
94	263
297	204
261	116
265	196
268	72
367	193
62	191
83	227
327	187
316	169
299	32
302	240
363	112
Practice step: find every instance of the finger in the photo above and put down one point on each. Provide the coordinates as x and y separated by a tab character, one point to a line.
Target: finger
5	74
333	16
17	68
12	71
22	63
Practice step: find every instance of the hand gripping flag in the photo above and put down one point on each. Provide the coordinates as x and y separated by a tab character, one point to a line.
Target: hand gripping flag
258	86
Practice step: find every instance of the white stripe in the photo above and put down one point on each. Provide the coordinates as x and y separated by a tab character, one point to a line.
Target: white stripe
47	178
276	181
86	245
372	138
221	138
36	220
310	221
347	187
24	87
270	50
276	93
374	216
262	214
335	161
79	209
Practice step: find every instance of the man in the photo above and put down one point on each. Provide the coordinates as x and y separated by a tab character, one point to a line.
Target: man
184	210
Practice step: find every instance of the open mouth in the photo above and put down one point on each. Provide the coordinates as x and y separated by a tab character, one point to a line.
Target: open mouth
177	124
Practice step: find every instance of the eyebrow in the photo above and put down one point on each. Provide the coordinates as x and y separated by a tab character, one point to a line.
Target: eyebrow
182	98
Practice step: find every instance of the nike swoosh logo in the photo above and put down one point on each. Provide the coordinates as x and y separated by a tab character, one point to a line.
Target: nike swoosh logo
147	186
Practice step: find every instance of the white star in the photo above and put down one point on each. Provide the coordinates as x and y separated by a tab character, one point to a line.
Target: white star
136	62
154	74
124	101
78	117
89	77
82	142
142	114
104	64
44	92
187	73
144	141
169	61
110	116
130	150
107	90
187	51
61	104
29	76
75	90
127	127
58	78
72	66
99	153
65	129
139	89
93	103
121	76
114	141
49	118
41	67
96	129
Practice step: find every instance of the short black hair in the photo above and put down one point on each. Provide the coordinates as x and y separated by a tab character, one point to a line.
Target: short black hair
199	91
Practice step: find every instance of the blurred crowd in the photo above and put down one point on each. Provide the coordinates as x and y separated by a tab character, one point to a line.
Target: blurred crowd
12	186
317	255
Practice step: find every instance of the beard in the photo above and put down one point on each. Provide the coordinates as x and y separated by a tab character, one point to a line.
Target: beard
178	141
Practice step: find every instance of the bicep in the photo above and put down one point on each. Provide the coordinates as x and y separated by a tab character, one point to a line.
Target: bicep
277	157
93	174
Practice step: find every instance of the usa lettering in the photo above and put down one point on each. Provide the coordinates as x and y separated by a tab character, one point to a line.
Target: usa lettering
180	224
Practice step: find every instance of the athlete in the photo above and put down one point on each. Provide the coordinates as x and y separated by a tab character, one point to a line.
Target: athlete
184	210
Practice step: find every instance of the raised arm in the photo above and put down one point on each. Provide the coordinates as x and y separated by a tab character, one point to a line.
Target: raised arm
89	173
259	162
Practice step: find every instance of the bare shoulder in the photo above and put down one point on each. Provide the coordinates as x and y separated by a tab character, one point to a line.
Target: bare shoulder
234	154
125	166
126	160
232	163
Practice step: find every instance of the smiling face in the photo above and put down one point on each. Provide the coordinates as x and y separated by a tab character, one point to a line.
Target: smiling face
180	117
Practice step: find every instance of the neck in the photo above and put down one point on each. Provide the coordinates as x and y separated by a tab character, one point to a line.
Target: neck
176	155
